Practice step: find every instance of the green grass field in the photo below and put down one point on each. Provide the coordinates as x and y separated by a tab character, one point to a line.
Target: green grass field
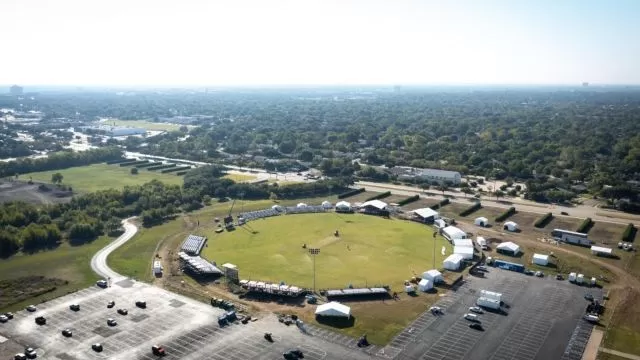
102	177
149	125
70	263
239	177
370	250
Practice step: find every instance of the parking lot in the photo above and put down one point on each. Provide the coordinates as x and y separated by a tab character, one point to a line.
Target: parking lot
542	319
186	328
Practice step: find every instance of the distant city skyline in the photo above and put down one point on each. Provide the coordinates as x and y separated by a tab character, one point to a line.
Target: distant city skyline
190	43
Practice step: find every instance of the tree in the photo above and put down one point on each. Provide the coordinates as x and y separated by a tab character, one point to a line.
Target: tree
56	178
306	155
134	171
9	244
498	194
443	188
467	191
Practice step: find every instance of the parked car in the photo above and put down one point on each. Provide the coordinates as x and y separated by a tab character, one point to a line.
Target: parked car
481	268
476	326
293	354
67	333
20	356
588	297
123	311
529	272
31	308
97	347
111	322
141	304
158	350
9	315
559	277
3	318
111	304
40	320
471	317
30	352
74	307
476	310
539	274
564	213
102	283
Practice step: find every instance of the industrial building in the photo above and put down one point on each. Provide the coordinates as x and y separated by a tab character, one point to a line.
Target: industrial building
115	131
571	237
431	175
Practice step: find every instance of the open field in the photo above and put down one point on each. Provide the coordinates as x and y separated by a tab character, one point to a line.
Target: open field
103	177
239	177
423	202
149	125
564	223
68	263
624	332
606	233
526	220
31	193
361	197
271	250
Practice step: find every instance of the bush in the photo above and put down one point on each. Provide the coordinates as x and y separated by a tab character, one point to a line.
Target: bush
543	220
134	171
409	200
180	173
506	214
445	202
585	226
471	209
379	196
175	169
435	207
117	161
133	162
629	233
351	193
160	167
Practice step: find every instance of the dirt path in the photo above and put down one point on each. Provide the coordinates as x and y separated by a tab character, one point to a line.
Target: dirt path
591	350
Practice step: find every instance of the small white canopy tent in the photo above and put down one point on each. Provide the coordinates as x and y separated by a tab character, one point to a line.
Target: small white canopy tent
334	309
439	223
509	247
464	251
452	232
481	221
452	262
510	226
409	289
433	275
301	205
277	208
380	205
540	259
326	205
463	242
425	285
343	205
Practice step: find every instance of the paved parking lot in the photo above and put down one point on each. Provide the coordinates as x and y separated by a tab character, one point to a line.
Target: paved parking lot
186	328
542	319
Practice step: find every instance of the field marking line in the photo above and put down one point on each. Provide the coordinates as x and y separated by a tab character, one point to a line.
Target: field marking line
619	353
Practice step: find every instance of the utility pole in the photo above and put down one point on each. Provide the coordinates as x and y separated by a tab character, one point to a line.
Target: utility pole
314	253
434	249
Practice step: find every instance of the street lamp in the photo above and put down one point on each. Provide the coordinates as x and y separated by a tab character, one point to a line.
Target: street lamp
314	253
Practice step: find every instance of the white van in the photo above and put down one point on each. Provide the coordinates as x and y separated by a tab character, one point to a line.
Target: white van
471	317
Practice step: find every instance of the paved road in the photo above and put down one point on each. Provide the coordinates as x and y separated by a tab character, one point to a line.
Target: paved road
99	260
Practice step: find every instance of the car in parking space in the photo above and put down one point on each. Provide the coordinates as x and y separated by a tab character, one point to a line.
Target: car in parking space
293	354
9	315
559	277
111	304
3	318
74	307
20	356
529	272
141	304
158	350
123	311
481	268
111	322
31	308
102	283
588	297
436	310
30	352
40	320
97	347
476	309
471	317
67	333
539	274
476	326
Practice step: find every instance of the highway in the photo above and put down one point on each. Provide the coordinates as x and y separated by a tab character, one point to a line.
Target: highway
99	260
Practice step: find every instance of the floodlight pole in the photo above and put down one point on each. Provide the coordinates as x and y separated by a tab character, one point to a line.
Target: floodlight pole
314	253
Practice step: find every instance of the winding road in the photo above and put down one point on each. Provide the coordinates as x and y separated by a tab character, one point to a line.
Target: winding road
99	260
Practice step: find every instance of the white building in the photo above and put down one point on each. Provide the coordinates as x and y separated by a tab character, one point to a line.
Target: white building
510	226
326	204
374	205
464	251
333	309
434	276
425	285
571	237
439	223
601	251
540	259
481	221
463	242
452	262
509	248
432	175
452	232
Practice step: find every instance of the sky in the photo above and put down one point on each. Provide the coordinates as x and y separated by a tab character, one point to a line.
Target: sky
327	42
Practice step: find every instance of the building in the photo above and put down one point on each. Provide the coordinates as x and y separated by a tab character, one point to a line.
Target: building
509	248
464	251
481	221
16	90
539	259
375	207
425	285
571	237
115	131
453	262
430	175
439	223
425	215
451	233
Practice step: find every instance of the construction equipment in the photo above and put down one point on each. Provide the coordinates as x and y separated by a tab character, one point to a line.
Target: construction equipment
228	220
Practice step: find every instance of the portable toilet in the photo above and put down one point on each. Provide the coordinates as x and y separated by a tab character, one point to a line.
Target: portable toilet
620	245
593	281
572	277
580	279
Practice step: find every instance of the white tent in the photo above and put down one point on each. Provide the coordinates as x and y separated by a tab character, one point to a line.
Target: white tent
301	205
452	232
464	251
425	285
380	205
463	242
409	289
452	262
433	275
509	247
439	223
277	207
333	308
540	259
343	205
510	226
426	213
481	221
326	205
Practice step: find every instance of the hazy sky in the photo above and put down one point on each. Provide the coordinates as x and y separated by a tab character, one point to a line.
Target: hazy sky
242	42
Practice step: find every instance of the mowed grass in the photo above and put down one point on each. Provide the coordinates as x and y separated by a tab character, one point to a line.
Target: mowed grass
624	332
369	251
70	263
239	177
149	125
103	177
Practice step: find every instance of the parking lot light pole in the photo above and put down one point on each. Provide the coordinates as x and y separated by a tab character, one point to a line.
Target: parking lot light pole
314	253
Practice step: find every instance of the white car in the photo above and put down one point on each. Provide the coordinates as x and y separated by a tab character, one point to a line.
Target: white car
3	319
476	309
435	310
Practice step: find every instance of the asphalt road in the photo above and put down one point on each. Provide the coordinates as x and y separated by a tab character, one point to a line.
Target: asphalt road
99	260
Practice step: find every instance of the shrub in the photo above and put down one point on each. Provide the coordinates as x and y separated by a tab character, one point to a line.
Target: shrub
379	196
134	171
506	214
435	207
117	161
471	209
543	220
585	225
445	202
629	233
409	200
350	193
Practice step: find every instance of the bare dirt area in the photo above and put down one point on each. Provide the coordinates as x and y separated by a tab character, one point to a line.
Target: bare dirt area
424	202
362	197
564	223
32	193
606	233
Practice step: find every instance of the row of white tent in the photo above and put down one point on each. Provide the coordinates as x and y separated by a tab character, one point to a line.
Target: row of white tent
271	288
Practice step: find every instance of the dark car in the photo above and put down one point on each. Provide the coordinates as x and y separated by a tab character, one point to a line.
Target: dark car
40	320
20	356
3	319
588	297
9	315
111	304
112	322
476	326
529	272
30	352
102	283
74	307
141	304
158	350
559	277
294	354
123	311
67	333
97	347
564	213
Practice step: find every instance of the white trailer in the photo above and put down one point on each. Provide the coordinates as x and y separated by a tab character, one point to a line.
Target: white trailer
491	295
488	303
157	268
572	277
580	279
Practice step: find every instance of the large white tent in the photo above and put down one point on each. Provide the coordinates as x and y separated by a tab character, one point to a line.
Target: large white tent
452	232
334	309
540	259
510	226
426	214
463	242
481	221
509	247
326	204
425	285
301	205
452	262
343	206
433	275
464	251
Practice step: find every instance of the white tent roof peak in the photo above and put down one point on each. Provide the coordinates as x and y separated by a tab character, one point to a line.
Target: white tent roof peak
343	204
511	246
333	308
376	204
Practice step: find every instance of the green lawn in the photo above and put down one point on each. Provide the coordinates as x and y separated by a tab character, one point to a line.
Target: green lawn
149	125
70	263
102	177
370	250
239	177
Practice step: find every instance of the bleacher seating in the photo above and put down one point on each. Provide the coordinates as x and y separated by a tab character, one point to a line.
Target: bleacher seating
259	214
309	209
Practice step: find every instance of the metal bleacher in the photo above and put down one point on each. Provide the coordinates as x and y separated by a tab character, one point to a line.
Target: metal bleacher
193	244
357	292
259	214
305	209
